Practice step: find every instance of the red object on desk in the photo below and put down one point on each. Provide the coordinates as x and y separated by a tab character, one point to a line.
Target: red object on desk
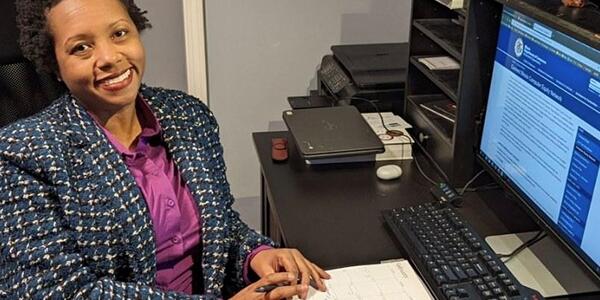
279	150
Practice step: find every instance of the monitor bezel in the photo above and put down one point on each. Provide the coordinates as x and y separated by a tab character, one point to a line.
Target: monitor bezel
530	207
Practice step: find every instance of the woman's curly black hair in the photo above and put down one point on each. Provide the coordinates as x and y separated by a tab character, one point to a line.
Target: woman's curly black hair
35	39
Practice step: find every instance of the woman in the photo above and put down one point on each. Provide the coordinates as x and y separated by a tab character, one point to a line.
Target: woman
118	189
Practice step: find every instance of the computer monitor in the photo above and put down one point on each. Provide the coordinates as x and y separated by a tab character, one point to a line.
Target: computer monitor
541	134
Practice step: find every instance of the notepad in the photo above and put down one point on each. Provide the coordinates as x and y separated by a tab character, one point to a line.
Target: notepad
394	280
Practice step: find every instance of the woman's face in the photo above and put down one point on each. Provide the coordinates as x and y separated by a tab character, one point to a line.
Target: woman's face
99	52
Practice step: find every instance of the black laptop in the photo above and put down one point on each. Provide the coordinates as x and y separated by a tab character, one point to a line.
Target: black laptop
330	132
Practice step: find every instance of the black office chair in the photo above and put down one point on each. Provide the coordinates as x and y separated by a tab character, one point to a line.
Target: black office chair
23	91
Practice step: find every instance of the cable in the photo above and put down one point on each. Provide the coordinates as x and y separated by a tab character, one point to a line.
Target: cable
462	191
423	173
532	241
409	143
395	133
485	187
388	131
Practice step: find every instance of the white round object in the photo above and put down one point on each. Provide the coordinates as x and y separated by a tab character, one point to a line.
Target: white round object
389	172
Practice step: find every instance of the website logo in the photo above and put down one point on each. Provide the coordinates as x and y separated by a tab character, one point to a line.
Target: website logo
519	46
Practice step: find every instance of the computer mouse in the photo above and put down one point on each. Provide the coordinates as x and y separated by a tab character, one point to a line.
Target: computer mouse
389	172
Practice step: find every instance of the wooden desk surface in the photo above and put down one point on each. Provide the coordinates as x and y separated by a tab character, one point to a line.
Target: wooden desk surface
332	213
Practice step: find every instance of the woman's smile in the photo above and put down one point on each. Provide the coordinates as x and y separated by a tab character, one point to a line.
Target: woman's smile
112	83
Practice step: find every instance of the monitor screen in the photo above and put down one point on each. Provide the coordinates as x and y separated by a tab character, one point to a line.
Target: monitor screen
541	131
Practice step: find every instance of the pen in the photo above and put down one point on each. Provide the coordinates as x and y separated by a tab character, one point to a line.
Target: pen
269	287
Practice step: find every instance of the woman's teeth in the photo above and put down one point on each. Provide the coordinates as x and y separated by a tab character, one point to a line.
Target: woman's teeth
120	78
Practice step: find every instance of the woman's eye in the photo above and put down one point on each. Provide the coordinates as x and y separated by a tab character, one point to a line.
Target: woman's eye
79	48
120	33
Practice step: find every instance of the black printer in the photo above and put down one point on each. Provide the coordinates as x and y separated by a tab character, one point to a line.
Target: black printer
353	74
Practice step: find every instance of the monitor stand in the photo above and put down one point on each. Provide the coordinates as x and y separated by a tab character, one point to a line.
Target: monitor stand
545	266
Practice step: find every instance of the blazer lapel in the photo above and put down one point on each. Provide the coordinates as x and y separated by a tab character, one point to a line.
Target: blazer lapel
107	209
181	133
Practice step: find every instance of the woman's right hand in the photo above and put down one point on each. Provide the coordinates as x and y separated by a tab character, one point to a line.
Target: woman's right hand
287	290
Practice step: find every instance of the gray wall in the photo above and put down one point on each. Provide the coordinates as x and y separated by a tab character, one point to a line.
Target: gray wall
165	44
260	52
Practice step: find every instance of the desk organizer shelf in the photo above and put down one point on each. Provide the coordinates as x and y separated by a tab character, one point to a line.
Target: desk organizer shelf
465	36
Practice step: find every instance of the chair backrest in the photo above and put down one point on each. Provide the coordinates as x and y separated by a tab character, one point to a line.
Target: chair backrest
23	91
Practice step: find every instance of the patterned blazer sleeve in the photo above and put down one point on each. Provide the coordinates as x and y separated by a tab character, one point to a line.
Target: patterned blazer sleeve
241	239
38	256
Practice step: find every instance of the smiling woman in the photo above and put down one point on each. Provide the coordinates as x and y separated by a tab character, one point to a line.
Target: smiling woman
101	59
118	189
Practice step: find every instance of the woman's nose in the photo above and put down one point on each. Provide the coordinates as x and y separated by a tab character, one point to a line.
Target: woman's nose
107	55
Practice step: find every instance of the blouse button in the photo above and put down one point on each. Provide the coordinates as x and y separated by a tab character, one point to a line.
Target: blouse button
176	240
170	203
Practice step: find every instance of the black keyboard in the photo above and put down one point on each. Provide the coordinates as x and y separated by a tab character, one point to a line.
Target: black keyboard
454	261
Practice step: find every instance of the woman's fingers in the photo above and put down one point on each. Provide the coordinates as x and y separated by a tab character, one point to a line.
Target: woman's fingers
310	270
317	275
288	291
280	285
291	261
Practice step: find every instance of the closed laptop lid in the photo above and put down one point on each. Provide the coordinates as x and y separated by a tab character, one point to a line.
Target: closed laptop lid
331	132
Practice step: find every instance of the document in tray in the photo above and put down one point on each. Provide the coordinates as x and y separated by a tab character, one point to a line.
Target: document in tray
439	63
395	280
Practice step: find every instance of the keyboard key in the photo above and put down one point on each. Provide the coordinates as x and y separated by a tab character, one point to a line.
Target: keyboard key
512	290
450	292
471	273
481	269
449	274
497	291
507	282
459	273
462	293
440	279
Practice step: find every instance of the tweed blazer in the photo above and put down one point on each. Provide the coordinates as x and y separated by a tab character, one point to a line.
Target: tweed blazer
74	224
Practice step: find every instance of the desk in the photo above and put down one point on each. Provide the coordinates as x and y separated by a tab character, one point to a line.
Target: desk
331	213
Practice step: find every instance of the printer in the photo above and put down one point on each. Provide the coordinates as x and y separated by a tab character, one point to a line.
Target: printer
356	74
